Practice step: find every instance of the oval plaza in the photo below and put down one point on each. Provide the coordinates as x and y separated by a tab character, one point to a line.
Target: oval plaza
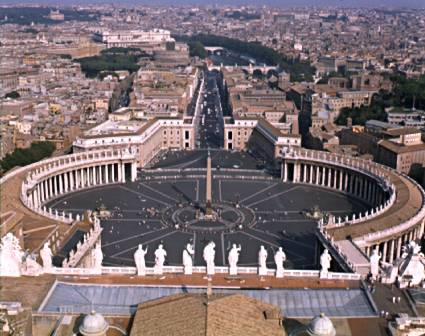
138	204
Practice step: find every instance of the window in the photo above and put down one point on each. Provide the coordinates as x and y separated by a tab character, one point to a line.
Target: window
230	135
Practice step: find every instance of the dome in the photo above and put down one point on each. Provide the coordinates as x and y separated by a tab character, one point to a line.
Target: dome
321	326
94	324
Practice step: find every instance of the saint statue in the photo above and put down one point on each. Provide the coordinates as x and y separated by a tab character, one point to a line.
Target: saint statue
209	256
160	255
97	258
325	263
374	263
262	261
46	256
188	253
139	259
10	256
279	258
233	259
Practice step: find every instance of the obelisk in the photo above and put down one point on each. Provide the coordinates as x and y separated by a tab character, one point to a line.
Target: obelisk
208	210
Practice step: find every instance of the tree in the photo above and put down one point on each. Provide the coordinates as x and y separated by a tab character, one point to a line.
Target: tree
13	95
197	49
22	157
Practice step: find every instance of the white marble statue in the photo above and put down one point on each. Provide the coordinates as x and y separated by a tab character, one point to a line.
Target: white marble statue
32	267
188	253
160	255
279	258
209	256
262	261
96	224
139	259
233	259
97	258
46	256
325	263
10	256
374	263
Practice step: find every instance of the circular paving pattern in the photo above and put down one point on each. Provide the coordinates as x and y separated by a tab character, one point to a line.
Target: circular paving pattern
227	218
166	207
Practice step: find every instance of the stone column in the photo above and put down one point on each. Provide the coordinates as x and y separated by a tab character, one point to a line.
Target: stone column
50	187
384	252
285	171
391	256
35	197
101	174
55	184
107	173
310	177
398	247
295	174
133	171
95	175
329	177
66	181
317	175
113	172
60	177
346	181
42	191
71	180
119	172
305	180
323	175
335	184
83	177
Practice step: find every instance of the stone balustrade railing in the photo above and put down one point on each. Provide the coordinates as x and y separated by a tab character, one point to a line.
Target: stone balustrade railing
337	249
359	218
369	168
81	250
395	230
200	270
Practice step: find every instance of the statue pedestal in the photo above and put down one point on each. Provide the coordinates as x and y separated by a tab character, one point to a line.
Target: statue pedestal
188	270
157	270
141	272
233	270
262	271
210	270
324	274
279	273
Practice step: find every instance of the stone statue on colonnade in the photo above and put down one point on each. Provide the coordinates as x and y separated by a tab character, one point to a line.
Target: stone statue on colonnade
279	258
209	256
97	258
160	255
233	259
325	263
46	255
188	253
262	261
139	259
10	256
374	263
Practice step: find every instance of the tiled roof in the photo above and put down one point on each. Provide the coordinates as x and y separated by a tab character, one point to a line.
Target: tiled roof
197	314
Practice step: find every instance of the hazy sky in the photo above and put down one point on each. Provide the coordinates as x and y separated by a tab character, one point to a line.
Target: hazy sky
283	3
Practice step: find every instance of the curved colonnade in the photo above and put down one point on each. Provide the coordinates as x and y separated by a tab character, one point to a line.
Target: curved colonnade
57	176
397	203
396	213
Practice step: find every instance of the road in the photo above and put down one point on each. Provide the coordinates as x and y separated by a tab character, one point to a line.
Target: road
211	128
